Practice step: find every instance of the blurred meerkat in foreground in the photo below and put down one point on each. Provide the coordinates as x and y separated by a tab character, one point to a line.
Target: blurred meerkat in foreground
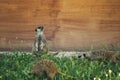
98	55
40	43
47	67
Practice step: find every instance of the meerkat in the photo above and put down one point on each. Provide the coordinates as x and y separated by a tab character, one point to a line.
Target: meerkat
49	68
98	55
40	43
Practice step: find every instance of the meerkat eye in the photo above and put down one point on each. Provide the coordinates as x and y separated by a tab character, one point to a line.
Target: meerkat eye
84	55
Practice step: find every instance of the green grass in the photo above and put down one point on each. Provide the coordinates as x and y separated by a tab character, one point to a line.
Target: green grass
17	66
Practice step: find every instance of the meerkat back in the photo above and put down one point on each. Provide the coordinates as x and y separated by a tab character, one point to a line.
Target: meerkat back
98	55
49	68
45	66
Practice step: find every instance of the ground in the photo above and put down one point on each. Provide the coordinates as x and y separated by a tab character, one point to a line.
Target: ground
15	67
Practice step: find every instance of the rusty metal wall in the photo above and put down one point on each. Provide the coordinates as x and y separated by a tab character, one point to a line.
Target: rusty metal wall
69	24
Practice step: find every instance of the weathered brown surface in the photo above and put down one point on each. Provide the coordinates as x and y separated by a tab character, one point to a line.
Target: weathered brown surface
69	24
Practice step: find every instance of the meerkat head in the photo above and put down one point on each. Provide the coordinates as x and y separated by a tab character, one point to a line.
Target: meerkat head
39	29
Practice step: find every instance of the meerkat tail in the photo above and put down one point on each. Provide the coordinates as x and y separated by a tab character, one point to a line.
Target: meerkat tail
66	74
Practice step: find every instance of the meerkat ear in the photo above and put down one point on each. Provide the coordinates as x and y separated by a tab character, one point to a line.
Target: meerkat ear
36	30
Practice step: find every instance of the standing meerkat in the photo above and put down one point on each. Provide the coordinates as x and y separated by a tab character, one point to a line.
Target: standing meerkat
98	55
40	43
49	68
